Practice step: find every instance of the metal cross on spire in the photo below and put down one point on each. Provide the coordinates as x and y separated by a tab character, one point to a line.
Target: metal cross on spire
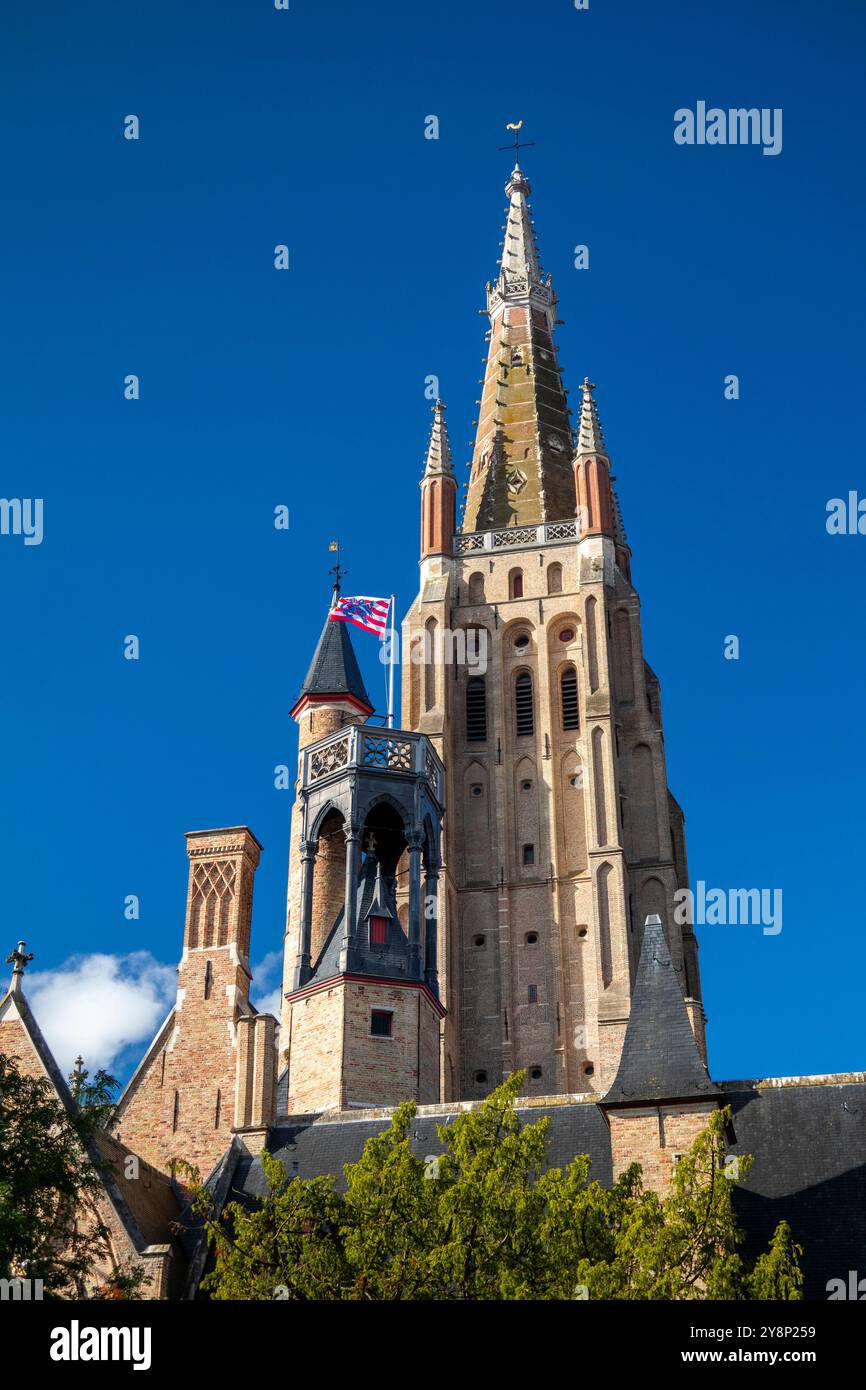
517	144
19	960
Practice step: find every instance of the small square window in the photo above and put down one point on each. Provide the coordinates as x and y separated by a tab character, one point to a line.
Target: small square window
533	994
378	931
381	1022
529	854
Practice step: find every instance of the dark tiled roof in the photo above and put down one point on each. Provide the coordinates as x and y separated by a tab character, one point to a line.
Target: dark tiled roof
334	669
808	1140
149	1195
660	1059
309	1148
194	1238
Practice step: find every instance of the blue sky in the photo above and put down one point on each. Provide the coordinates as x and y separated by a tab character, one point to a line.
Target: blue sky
258	388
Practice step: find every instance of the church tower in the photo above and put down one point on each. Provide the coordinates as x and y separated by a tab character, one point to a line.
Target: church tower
561	836
361	1009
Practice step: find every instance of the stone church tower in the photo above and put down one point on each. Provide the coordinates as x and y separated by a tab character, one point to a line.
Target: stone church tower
361	1009
561	836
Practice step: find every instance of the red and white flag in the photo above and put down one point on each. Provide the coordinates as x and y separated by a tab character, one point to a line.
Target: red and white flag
371	614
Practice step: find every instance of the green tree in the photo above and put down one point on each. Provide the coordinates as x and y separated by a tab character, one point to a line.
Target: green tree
488	1220
51	1187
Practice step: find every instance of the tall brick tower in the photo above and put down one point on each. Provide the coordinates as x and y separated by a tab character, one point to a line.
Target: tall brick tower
211	1069
561	834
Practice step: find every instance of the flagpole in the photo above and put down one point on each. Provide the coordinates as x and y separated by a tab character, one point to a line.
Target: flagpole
391	672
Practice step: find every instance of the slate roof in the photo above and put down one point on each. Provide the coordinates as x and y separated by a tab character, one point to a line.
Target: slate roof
808	1139
310	1147
334	669
660	1059
807	1136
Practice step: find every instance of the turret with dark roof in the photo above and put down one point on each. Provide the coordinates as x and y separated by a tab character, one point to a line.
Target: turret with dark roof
660	1060
334	672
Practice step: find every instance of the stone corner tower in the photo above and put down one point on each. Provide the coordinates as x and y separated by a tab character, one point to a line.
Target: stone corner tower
362	1015
561	837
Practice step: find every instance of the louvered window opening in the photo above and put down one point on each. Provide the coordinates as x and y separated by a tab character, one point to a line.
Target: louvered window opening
570	711
523	704
476	710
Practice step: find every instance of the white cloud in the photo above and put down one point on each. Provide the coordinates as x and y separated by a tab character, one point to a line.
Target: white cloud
267	972
99	1005
270	1003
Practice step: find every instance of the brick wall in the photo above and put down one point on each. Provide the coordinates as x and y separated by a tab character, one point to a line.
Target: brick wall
654	1137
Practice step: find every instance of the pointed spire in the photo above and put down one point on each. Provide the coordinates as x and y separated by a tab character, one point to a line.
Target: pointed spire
660	1060
521	468
334	672
521	268
439	449
590	436
19	960
379	904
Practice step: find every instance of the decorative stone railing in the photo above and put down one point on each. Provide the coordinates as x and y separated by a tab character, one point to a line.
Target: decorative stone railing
372	747
551	533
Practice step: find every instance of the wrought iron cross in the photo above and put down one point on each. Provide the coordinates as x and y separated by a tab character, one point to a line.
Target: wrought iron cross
518	143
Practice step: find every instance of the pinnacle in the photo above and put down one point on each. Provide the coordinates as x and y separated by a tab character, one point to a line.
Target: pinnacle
438	459
590	436
520	264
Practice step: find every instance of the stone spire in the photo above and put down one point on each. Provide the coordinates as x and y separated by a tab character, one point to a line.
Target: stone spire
521	465
590	435
438	491
438	461
597	509
521	267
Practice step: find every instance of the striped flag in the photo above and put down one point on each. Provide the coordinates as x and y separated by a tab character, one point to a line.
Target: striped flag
371	614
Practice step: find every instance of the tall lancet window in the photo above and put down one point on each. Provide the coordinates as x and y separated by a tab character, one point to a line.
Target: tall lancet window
476	710
430	663
523	705
568	690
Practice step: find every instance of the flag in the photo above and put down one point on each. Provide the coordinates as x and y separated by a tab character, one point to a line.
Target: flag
371	614
514	125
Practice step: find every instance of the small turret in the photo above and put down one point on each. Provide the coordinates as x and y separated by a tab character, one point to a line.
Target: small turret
333	693
438	491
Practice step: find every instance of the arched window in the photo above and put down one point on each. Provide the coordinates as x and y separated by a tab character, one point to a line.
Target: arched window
523	704
476	587
554	579
476	709
568	693
515	584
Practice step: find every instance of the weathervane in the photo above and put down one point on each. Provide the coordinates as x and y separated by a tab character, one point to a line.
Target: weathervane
336	570
518	143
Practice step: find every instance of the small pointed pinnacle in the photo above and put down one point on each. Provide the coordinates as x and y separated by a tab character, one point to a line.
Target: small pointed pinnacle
590	436
439	449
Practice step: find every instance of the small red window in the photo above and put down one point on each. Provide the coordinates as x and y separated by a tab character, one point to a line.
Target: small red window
378	931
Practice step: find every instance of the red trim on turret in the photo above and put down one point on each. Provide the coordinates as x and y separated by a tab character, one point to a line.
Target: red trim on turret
334	698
